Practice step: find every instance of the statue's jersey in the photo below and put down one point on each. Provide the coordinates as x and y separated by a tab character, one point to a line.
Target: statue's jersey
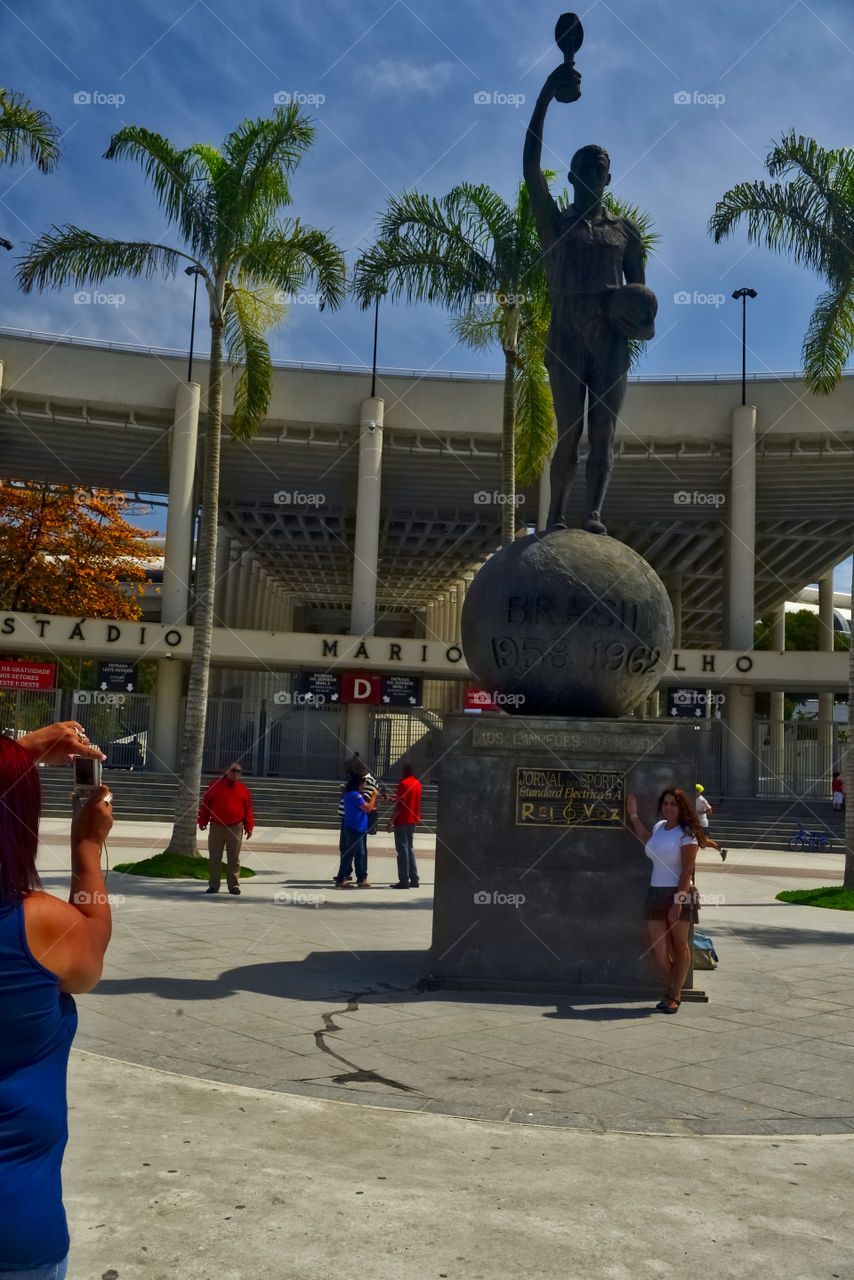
582	257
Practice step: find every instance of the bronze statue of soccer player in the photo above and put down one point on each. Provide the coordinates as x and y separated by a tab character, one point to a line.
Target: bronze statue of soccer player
587	255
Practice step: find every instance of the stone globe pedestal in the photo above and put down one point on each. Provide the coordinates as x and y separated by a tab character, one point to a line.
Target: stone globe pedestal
540	880
571	623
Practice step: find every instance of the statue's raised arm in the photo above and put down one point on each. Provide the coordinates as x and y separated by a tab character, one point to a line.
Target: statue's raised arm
564	84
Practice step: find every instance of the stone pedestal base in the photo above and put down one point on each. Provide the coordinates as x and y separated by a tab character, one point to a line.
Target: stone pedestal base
539	884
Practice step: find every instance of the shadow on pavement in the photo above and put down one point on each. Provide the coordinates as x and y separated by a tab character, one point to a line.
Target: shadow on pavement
777	936
322	975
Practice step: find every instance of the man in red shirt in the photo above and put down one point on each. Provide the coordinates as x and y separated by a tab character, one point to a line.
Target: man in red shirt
227	805
406	815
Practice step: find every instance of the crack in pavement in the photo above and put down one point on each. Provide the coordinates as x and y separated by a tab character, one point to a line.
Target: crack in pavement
356	1074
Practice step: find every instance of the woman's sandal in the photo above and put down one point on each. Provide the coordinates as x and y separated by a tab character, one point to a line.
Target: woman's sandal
669	1005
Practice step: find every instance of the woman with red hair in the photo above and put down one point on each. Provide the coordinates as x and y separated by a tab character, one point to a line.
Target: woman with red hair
671	847
49	949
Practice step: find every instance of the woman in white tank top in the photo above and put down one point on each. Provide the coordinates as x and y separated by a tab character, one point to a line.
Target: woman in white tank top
671	847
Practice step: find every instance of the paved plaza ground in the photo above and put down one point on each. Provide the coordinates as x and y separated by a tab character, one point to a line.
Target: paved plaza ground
258	1089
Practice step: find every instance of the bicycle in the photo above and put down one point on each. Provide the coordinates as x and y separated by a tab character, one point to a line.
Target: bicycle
804	839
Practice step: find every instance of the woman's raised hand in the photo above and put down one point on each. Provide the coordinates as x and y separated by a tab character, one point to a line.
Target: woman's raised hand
57	743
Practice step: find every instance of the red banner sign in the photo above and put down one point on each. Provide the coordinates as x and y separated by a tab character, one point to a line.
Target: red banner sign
479	700
27	675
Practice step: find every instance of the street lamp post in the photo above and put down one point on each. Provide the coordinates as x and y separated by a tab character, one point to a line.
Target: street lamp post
193	271
744	294
376	328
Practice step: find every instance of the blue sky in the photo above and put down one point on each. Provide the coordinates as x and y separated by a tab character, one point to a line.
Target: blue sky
687	97
398	80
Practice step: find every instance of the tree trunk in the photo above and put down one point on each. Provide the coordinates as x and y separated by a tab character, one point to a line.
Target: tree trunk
508	451
848	773
190	770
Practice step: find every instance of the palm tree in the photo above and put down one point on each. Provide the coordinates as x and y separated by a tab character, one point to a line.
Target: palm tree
224	203
812	220
26	133
476	254
480	256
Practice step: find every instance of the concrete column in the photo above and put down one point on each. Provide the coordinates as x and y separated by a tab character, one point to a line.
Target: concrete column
269	607
738	594
229	586
244	581
454	617
741	530
175	593
180	513
366	548
366	553
223	558
674	590
254	597
544	493
777	707
825	700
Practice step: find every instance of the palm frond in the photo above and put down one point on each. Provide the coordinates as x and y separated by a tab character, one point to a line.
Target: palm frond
175	177
820	166
650	238
247	347
70	255
25	132
291	256
535	421
829	339
787	218
485	219
477	328
428	251
261	154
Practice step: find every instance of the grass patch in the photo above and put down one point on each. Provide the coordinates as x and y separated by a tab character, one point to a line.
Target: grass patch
173	866
832	896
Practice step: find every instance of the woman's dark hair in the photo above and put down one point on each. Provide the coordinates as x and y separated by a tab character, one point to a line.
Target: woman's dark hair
20	808
354	782
688	817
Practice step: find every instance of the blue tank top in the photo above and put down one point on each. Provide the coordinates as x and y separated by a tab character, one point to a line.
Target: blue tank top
37	1025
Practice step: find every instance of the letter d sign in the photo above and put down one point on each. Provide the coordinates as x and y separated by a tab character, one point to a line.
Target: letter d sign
356	686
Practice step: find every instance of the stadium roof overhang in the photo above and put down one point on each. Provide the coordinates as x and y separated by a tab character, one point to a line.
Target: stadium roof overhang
92	415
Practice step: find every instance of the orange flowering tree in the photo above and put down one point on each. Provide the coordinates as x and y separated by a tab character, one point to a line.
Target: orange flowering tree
69	550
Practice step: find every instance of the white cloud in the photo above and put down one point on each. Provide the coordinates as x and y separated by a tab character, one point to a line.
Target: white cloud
406	77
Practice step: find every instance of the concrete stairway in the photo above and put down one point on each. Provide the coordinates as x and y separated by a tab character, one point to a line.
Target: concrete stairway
276	802
769	824
297	802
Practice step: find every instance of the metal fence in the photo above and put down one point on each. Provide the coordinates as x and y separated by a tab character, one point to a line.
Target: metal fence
798	756
119	723
233	731
401	736
22	710
302	742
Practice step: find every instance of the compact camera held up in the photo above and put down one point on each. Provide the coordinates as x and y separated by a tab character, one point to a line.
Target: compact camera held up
87	777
